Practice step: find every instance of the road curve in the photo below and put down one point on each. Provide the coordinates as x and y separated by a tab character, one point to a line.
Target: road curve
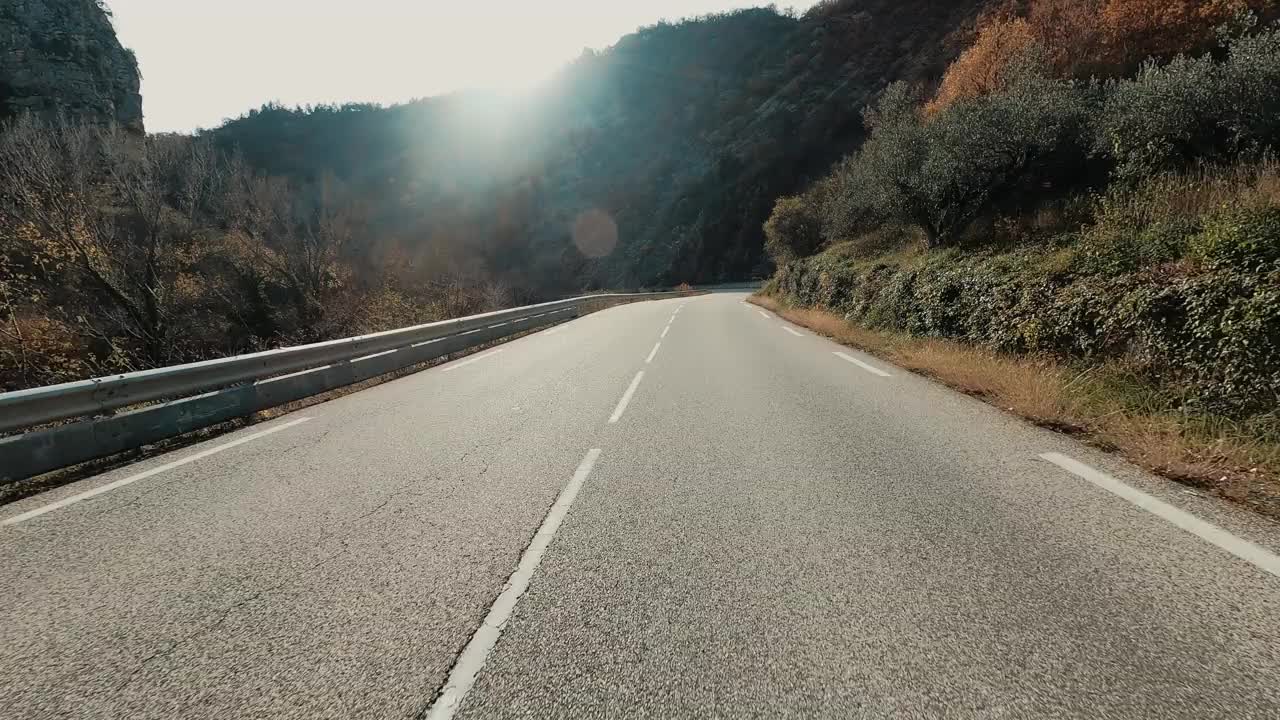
683	508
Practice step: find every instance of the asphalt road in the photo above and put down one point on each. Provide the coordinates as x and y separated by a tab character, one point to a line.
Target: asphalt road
753	527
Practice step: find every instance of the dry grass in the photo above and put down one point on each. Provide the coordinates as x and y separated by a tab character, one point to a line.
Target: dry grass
1200	192
1211	454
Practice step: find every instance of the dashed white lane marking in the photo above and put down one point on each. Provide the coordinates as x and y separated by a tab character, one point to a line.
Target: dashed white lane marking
665	330
763	314
475	359
1208	532
148	473
653	353
626	398
869	368
476	653
793	331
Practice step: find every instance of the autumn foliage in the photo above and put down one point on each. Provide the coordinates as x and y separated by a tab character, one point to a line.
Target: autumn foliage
981	69
1083	38
122	253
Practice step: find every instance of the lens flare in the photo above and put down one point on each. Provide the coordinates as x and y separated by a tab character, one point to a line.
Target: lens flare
595	233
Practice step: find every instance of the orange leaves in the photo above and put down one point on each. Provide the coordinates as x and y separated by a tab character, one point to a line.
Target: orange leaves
1079	38
1136	29
1068	32
981	68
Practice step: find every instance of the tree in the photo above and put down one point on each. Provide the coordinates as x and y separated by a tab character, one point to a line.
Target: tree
942	173
794	230
1140	29
1194	109
981	69
299	234
118	209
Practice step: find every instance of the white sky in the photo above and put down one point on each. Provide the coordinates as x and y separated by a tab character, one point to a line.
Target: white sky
206	60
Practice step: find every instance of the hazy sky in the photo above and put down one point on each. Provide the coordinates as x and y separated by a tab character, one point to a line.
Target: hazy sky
206	60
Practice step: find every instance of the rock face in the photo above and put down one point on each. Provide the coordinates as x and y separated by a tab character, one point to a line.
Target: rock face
63	56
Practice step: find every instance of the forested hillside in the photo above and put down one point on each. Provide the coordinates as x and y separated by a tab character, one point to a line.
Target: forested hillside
683	134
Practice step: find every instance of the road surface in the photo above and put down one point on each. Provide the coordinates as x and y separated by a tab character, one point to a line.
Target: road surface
683	508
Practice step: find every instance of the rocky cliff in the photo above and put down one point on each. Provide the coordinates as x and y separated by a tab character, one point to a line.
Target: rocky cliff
62	56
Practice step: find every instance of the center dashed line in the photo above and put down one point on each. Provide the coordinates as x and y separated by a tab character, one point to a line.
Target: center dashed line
653	353
474	656
626	398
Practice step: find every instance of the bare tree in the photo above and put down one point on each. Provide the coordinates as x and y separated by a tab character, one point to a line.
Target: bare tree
121	208
299	233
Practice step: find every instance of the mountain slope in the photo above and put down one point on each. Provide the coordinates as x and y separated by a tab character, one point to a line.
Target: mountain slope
683	134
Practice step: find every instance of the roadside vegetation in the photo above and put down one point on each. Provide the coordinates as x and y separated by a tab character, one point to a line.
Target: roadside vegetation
122	252
1081	224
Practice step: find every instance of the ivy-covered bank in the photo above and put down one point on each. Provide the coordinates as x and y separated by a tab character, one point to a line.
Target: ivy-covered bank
1205	335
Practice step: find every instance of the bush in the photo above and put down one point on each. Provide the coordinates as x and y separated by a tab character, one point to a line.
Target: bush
1126	236
1253	84
1241	238
794	230
1212	338
1164	117
1194	109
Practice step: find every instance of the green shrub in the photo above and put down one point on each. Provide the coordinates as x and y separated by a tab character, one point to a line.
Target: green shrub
1162	118
942	172
1193	109
794	230
1241	238
1112	248
1212	338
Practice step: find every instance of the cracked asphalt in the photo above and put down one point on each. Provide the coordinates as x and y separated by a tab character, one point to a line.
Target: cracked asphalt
769	531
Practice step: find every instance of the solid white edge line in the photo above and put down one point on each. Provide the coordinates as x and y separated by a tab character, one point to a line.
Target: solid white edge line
475	359
869	368
476	653
375	355
300	373
1243	549
626	398
148	473
653	353
793	331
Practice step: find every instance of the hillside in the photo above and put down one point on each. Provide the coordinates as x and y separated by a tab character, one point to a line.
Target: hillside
63	57
683	133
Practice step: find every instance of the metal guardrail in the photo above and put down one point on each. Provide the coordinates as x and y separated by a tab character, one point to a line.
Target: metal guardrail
205	393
